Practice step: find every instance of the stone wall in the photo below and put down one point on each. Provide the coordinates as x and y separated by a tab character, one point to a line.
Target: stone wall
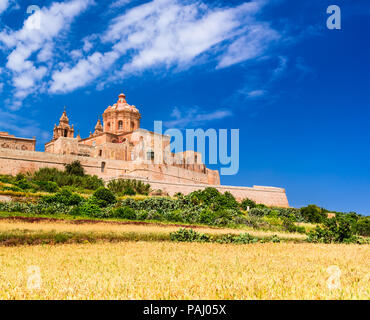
17	161
269	196
167	178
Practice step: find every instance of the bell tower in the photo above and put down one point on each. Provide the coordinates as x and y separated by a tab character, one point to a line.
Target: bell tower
63	129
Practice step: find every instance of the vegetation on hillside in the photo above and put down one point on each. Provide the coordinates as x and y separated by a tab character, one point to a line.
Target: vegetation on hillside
74	193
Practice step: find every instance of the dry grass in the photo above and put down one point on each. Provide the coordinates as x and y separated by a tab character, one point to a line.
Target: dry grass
142	270
67	226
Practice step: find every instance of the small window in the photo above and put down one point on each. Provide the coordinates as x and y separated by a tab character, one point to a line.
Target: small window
102	166
100	153
120	125
150	155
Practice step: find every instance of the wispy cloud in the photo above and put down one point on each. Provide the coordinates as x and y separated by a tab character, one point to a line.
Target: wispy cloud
27	74
194	117
166	35
169	33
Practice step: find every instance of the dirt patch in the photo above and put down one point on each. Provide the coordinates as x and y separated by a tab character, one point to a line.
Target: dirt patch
5	198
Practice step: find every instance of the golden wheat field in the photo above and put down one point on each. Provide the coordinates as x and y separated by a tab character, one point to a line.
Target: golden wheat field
67	226
165	270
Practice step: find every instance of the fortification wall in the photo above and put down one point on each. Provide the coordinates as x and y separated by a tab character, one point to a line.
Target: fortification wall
167	178
269	196
17	161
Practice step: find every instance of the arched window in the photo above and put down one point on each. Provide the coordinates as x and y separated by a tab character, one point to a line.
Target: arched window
132	126
120	125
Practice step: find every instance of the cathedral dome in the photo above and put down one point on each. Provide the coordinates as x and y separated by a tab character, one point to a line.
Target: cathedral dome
121	117
122	105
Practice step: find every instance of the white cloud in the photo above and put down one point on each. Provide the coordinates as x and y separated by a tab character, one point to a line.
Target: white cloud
249	46
29	40
195	116
4	4
256	93
157	35
169	33
119	3
86	70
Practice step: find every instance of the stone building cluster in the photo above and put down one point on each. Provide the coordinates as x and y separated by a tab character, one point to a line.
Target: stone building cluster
120	137
8	141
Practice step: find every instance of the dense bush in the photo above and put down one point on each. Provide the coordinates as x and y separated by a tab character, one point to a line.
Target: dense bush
333	230
64	196
91	209
189	235
104	197
124	213
313	214
62	178
243	238
75	168
362	227
128	187
213	199
257	212
247	203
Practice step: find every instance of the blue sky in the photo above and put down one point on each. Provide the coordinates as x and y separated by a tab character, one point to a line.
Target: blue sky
298	92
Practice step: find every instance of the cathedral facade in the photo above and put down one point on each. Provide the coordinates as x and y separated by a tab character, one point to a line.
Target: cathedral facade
119	137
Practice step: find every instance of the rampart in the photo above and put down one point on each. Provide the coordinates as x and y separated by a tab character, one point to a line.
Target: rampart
167	178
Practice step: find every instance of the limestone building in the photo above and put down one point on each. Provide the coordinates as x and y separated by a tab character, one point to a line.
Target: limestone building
8	141
120	137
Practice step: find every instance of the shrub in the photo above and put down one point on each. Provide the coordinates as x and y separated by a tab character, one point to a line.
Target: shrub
333	230
75	168
189	235
257	212
154	215
24	184
313	214
243	238
247	203
62	178
64	196
207	216
7	179
129	191
128	187
289	226
141	215
362	226
48	186
124	213
104	196
91	210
